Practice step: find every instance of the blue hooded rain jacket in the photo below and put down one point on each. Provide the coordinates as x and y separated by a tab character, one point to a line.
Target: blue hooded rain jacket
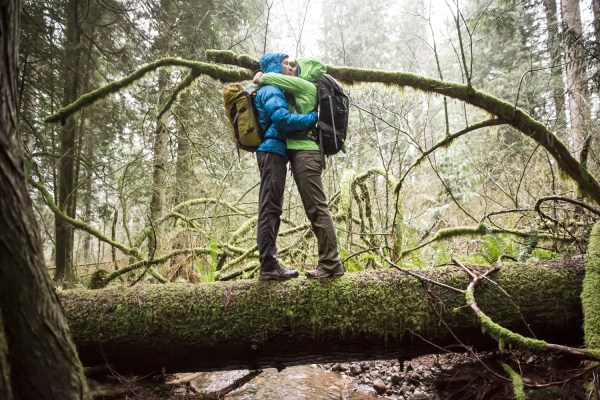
273	114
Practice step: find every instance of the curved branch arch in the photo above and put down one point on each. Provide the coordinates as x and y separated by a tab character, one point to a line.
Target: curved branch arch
503	110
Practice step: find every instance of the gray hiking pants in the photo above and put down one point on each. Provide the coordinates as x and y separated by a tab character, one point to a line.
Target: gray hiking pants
306	168
272	169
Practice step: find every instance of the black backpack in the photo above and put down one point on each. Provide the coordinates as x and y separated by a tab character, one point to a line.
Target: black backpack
334	106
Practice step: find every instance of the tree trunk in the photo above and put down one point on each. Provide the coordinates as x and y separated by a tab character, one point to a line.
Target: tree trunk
596	12
161	160
367	315
5	387
68	138
184	175
37	357
579	110
555	53
87	197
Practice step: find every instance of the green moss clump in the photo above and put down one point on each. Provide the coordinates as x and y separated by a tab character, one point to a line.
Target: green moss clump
517	382
98	279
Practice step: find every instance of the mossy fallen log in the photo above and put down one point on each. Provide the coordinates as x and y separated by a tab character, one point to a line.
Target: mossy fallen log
367	315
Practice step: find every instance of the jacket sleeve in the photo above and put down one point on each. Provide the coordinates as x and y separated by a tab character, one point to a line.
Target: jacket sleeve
291	84
282	118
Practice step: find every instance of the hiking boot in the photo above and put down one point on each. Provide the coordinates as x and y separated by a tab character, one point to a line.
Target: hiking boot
320	273
278	274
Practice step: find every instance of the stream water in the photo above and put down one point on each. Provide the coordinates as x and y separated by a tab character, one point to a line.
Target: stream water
306	382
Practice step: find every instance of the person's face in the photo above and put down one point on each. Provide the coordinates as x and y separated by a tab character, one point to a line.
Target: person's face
286	68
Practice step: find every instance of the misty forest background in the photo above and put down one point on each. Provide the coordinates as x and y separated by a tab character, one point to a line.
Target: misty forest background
146	183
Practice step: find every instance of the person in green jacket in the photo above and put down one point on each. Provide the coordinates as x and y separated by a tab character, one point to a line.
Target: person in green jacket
307	162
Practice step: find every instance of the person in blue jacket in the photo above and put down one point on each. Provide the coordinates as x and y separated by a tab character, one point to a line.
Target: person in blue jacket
276	120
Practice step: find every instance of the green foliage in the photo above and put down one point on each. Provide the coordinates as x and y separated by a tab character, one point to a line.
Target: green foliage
476	259
516	381
493	247
543	254
207	271
352	264
529	245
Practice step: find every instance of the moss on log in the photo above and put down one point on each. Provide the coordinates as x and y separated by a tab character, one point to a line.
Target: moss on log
590	296
368	315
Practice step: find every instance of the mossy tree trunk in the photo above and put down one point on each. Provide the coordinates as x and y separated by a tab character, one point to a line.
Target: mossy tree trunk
67	179
184	173
590	296
160	150
367	315
5	387
37	357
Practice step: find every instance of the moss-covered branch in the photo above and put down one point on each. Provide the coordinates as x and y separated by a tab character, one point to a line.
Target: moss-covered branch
479	230
231	58
185	83
203	200
174	213
80	224
197	68
517	382
102	278
243	229
505	336
503	110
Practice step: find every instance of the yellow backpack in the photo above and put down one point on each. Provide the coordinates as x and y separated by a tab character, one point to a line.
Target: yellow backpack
242	116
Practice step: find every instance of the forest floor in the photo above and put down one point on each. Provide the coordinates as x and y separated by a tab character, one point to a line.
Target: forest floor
447	376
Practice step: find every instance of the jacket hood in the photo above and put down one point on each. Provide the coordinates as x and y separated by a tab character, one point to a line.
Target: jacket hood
310	69
271	62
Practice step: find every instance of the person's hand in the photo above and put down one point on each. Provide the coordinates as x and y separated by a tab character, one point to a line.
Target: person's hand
257	77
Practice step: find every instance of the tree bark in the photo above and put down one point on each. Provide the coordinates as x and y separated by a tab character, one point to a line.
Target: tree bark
37	357
159	174
367	315
65	232
184	174
160	147
596	12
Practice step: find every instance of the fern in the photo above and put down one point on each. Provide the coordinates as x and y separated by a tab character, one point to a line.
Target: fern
531	242
351	264
493	247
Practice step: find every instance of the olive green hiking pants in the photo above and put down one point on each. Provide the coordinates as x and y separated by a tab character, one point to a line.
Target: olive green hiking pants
306	168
